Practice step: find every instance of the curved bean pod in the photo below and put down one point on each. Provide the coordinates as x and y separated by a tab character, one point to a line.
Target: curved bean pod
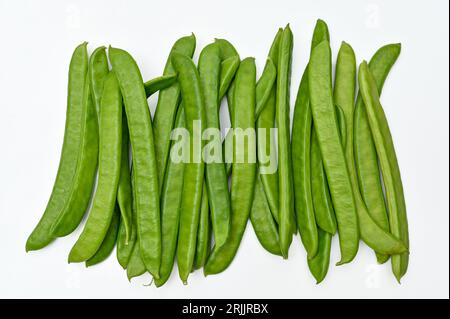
228	68
263	223
344	95
204	234
389	166
324	117
287	226
79	147
215	174
243	178
301	159
342	125
109	241
318	265
101	214
365	154
124	246
264	85
266	121
124	191
323	206
159	83
166	108
171	195
136	266
191	93
144	162
98	70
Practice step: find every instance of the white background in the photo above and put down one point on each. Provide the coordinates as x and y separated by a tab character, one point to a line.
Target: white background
37	40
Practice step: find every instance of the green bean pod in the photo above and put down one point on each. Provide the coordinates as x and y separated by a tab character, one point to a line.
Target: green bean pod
301	158
344	95
389	166
365	154
264	85
159	83
287	224
125	246
324	117
124	191
342	125
104	201
264	97
98	70
166	108
323	207
83	180
109	241
319	264
136	266
171	195
194	170
203	234
244	166
126	239
228	68
145	175
266	121
80	135
227	50
266	229
215	174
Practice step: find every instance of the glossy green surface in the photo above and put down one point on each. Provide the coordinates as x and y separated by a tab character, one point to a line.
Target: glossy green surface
146	193
366	159
110	147
243	178
194	109
389	166
327	130
75	178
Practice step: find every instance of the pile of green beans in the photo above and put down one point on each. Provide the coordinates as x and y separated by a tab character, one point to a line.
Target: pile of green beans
335	172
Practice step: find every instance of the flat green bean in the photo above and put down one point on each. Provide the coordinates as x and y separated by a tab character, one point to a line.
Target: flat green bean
144	161
216	178
228	68
365	154
301	158
98	70
136	266
266	120
389	166
318	265
191	93
203	234
265	227
171	195
166	108
344	95
78	155
244	171
323	206
287	224
108	243
324	117
124	191
104	201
